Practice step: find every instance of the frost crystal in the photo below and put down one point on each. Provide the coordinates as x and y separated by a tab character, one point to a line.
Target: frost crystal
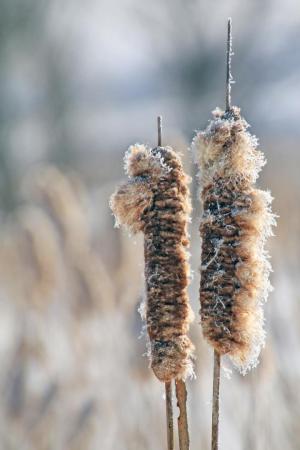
236	221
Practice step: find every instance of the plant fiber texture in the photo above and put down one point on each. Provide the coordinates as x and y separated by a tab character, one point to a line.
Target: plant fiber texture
234	226
155	200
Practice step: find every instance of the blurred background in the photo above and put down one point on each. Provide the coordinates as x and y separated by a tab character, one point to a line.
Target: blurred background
79	82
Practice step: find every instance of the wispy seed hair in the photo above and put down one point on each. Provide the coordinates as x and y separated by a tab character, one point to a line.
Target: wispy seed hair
236	221
155	200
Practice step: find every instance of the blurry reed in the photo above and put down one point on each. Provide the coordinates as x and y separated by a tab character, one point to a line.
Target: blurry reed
63	198
56	285
155	200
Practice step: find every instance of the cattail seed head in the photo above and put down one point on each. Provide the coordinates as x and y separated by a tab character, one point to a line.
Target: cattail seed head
235	223
155	200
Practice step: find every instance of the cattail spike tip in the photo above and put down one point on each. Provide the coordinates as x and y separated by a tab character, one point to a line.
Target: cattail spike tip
229	53
159	131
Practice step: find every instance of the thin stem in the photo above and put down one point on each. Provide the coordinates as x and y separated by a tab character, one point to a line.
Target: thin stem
183	432
168	385
169	415
159	130
215	402
229	53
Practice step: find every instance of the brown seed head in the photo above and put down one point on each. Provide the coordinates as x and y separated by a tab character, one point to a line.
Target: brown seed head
235	223
155	200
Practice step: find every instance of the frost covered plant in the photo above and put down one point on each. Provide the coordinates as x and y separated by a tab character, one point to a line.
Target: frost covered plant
236	221
155	200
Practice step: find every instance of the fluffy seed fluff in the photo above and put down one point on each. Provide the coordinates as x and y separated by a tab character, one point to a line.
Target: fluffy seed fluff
236	221
155	200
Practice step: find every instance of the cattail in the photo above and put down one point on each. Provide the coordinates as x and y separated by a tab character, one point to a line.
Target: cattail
235	223
155	200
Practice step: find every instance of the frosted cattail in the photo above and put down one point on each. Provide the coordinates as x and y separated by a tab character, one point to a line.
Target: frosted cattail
236	221
155	200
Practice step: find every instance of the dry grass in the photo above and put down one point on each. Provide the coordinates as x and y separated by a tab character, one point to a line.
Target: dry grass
68	335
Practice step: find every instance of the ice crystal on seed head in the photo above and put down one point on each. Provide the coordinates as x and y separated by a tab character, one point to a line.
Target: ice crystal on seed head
155	200
236	221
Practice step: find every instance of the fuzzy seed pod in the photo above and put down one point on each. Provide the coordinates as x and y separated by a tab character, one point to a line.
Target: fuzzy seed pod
156	201
236	221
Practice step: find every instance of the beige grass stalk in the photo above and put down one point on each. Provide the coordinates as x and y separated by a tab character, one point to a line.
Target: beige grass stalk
235	224
155	200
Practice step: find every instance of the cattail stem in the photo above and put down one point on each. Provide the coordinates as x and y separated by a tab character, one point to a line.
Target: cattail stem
169	415
183	432
215	402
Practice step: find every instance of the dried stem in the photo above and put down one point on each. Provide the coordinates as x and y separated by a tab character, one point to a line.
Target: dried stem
169	415
215	402
183	432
